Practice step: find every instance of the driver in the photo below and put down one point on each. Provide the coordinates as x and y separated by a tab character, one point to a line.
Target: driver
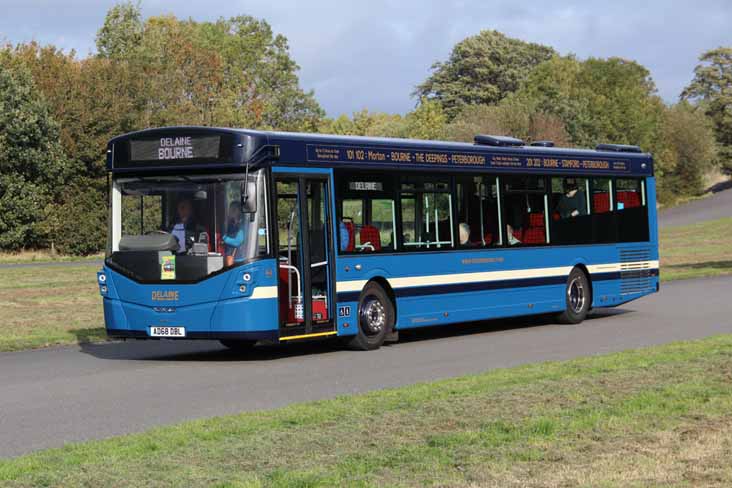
184	228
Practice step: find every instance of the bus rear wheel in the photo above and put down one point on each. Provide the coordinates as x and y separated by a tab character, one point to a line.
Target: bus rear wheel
238	345
577	298
375	319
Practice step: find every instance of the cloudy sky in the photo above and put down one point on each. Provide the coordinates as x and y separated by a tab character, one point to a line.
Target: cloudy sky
372	53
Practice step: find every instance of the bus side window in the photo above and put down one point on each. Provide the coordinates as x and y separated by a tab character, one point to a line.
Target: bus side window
604	226
571	222
477	212
631	211
526	200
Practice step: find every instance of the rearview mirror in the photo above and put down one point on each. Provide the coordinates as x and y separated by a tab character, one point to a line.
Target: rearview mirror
248	197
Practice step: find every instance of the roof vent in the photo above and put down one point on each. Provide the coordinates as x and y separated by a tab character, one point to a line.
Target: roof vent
618	148
543	143
504	141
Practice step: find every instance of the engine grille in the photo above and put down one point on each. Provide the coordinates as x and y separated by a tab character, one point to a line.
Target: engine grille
635	270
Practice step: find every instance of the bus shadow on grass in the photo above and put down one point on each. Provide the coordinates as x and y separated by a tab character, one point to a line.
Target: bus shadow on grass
213	351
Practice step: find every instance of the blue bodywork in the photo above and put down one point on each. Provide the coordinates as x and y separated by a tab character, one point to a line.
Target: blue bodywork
430	288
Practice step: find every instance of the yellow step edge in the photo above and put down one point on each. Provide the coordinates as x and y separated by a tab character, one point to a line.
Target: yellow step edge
307	336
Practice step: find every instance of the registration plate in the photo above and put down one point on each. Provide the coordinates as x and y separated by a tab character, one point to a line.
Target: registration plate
156	331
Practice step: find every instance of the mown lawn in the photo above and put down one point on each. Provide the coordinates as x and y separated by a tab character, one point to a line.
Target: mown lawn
47	305
44	256
653	417
695	251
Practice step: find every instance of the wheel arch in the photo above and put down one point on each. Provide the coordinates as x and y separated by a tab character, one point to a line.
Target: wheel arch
581	266
386	286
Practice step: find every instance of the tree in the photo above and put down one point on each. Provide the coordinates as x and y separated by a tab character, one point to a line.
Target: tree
482	69
427	121
33	168
711	89
234	72
684	153
508	118
121	33
597	100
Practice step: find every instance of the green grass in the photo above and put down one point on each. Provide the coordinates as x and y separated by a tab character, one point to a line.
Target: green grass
653	417
44	256
696	251
48	305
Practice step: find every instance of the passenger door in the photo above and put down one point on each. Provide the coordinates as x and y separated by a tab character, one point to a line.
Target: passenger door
305	258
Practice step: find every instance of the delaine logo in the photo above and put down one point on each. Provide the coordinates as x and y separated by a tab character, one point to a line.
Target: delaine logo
165	296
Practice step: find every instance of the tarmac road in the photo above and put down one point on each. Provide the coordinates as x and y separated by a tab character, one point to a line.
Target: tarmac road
51	397
713	207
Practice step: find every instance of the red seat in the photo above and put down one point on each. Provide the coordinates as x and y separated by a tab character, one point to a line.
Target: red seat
601	202
536	219
370	234
535	234
629	199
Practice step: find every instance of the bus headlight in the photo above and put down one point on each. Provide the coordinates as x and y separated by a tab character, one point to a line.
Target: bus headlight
247	277
103	289
102	278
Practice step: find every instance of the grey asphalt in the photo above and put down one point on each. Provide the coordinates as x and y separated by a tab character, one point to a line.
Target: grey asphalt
51	397
716	206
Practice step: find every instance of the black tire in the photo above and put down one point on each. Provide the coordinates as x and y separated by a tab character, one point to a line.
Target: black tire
375	318
238	345
577	298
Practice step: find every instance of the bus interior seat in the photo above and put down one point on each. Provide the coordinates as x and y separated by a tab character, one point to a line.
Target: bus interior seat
370	234
601	202
535	234
629	199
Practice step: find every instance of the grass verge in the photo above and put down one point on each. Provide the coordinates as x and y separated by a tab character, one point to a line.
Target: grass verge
695	251
653	417
47	305
44	256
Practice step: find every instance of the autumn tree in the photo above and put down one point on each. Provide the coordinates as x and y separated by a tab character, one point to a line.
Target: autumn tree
482	69
509	119
684	152
711	90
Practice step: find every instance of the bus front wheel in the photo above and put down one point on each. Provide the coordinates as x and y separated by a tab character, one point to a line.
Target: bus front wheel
375	318
577	298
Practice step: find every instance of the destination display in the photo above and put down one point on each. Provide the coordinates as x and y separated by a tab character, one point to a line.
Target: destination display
172	148
176	148
317	153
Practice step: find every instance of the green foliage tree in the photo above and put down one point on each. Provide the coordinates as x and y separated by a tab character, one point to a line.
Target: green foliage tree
597	100
427	121
711	89
685	151
33	167
121	34
365	123
482	69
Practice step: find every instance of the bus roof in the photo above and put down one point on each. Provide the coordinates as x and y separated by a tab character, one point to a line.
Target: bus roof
180	148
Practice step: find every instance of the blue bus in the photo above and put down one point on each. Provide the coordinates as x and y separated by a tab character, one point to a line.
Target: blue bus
244	236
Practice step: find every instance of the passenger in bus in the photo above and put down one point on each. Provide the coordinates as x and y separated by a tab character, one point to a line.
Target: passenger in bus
573	202
185	227
234	236
464	234
512	239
